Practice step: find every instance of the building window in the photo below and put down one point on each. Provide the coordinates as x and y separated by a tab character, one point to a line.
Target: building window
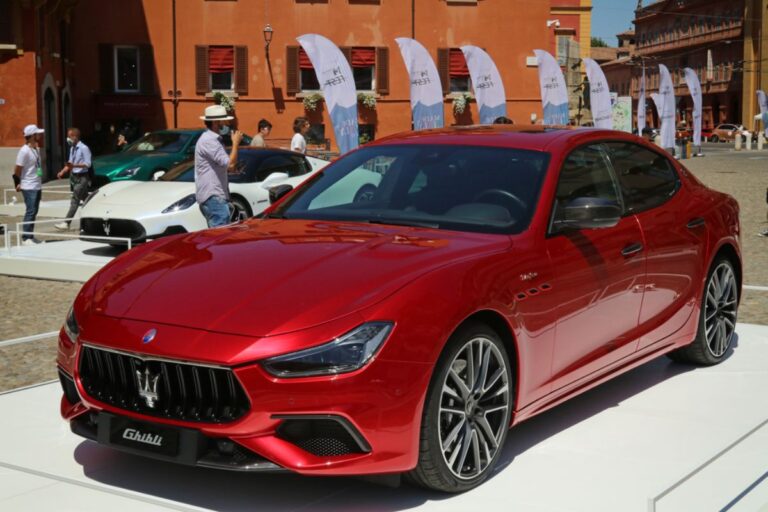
6	22
307	77
370	69
458	72
127	69
363	63
221	67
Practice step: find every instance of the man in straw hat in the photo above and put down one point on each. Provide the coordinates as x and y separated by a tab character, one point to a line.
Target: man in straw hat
212	164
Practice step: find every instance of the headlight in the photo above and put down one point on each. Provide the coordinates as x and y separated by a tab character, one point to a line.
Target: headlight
70	325
181	204
344	354
126	173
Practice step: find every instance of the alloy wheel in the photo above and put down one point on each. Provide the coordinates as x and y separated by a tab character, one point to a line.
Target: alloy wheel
474	406
720	307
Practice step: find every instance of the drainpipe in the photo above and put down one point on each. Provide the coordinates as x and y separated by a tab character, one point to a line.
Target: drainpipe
175	94
413	19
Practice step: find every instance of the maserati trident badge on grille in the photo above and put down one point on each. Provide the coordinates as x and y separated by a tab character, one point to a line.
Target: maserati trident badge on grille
149	336
147	384
107	227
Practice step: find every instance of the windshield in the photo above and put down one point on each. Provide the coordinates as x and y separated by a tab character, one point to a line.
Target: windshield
463	188
166	142
185	171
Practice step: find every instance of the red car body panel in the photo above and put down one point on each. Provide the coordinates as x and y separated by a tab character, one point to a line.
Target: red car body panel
575	310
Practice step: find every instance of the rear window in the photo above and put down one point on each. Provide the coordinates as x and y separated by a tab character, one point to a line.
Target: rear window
647	179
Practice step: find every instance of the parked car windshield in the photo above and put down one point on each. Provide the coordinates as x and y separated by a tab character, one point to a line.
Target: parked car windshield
166	142
463	188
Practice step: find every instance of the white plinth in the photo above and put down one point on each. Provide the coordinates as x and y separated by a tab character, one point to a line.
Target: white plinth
608	450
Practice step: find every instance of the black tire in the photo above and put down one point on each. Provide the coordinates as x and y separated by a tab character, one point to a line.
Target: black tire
717	320
444	414
365	193
714	138
241	210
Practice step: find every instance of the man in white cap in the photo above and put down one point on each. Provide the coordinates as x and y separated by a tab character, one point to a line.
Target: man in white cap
28	178
212	165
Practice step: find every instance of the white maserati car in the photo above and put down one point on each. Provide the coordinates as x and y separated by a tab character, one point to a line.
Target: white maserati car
141	210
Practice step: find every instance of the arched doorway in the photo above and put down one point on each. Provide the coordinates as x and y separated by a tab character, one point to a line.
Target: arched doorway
66	123
51	140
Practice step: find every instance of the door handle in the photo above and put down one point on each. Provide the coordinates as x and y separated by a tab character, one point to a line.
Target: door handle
631	249
695	223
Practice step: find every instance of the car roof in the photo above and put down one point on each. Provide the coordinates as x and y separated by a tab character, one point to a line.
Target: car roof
530	137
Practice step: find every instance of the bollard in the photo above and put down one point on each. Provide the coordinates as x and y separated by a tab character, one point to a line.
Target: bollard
748	142
760	141
737	143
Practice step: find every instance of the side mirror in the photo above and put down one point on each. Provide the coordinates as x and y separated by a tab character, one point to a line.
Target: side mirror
278	192
272	178
589	213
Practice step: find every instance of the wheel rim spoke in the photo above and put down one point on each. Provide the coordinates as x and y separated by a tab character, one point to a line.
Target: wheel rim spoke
474	408
720	310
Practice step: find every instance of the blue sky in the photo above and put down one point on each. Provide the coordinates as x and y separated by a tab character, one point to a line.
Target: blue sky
609	17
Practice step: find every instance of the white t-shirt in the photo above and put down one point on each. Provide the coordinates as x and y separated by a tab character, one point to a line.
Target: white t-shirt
29	161
298	143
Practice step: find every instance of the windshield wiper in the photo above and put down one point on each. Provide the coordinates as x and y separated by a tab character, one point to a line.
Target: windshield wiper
402	222
274	216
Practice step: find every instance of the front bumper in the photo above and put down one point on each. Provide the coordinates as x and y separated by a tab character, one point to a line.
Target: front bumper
366	422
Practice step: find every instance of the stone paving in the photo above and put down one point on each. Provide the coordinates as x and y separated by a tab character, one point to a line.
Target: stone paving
33	306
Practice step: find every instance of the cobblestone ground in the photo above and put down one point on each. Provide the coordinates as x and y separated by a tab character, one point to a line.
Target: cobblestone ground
33	306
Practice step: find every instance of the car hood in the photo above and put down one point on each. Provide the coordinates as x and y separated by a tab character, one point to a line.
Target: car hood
155	195
269	277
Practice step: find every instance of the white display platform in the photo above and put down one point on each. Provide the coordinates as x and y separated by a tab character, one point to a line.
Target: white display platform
54	208
611	449
68	260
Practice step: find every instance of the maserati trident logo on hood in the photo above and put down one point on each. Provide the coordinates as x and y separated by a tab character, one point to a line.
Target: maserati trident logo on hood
147	384
149	336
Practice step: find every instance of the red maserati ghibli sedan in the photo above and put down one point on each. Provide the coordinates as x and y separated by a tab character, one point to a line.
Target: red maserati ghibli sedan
487	274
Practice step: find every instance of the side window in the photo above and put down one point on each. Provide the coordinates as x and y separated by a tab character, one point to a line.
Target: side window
585	173
280	163
647	179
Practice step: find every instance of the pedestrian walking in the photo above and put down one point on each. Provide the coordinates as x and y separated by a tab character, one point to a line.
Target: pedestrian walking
300	129
212	166
259	140
77	168
28	179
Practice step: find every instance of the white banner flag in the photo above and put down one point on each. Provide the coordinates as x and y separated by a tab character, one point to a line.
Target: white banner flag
641	106
695	87
599	96
554	94
426	89
338	85
762	100
667	113
486	82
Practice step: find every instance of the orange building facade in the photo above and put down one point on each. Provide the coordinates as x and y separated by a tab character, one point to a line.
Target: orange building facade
35	73
150	64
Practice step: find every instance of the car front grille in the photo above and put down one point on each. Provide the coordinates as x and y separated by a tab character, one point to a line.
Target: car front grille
162	388
122	228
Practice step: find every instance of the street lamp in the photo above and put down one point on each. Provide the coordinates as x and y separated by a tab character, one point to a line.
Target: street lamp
268	33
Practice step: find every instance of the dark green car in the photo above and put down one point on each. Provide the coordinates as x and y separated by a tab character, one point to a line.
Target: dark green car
151	156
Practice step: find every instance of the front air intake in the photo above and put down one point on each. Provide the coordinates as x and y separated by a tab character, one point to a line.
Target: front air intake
163	388
322	435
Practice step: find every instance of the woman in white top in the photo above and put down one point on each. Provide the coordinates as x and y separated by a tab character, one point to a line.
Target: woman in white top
300	128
